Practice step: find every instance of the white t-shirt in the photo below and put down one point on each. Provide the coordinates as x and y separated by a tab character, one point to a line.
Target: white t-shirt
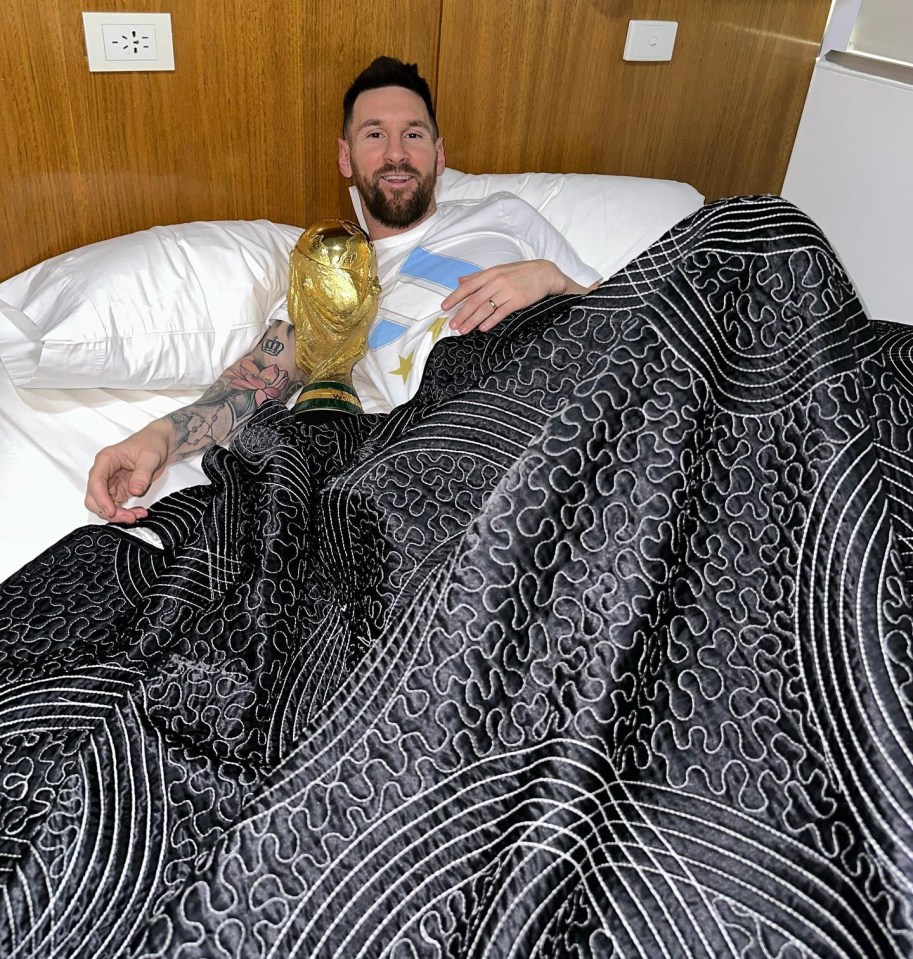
417	269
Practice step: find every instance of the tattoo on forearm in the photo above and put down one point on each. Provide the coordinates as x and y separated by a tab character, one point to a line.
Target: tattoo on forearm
272	346
236	395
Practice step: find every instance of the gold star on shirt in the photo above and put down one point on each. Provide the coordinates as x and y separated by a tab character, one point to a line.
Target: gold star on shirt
405	365
437	327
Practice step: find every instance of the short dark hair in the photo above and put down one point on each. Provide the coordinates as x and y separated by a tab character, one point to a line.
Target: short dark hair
387	72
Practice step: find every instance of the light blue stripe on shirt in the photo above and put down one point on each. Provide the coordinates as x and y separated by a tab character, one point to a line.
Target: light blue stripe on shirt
443	271
385	331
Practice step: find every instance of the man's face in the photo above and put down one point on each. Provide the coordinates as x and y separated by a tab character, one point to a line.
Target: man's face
392	155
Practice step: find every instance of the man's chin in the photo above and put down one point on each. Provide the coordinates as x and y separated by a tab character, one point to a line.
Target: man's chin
396	206
396	212
397	197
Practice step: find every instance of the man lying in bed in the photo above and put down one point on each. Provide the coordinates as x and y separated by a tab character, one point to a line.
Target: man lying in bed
494	256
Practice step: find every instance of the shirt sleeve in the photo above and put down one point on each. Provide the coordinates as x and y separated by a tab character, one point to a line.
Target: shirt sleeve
542	241
279	311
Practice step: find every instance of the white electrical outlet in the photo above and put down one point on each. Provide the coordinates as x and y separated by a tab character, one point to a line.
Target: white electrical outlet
128	41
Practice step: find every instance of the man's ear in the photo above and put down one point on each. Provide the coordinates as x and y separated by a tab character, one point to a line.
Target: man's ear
441	159
345	163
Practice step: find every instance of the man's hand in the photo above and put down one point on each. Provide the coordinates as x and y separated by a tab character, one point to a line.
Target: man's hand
128	469
486	297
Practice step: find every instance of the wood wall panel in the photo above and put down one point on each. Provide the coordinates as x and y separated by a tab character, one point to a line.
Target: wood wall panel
41	199
216	138
246	126
541	84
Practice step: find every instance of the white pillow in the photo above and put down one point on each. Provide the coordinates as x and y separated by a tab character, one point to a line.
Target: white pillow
608	220
163	308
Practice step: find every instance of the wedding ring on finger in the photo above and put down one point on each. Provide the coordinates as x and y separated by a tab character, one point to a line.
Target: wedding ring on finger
493	305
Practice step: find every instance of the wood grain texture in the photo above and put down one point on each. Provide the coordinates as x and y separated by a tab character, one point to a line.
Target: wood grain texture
41	200
215	139
541	84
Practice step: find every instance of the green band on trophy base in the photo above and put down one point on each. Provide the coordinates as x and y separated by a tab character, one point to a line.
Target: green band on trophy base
328	395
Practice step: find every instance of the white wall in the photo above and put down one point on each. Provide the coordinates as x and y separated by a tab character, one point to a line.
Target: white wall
884	28
851	170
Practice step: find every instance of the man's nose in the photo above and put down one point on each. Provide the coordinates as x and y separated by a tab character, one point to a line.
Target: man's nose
396	150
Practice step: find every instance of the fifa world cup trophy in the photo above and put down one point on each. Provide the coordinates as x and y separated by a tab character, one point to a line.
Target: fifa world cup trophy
332	299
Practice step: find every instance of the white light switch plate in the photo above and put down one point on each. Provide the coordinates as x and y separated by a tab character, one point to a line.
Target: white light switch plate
128	41
650	39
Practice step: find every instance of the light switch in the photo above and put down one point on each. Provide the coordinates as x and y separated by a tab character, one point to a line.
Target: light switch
650	39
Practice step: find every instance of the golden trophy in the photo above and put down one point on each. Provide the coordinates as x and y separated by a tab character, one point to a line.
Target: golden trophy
332	299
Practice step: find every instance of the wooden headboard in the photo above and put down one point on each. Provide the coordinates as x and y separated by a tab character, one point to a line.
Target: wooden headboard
246	126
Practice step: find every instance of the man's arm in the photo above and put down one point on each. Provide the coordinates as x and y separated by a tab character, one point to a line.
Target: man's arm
129	468
486	297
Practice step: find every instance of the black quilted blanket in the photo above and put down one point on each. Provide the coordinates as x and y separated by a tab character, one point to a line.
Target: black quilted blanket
602	646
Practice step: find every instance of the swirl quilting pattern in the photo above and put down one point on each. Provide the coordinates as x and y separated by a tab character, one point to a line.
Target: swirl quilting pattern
602	646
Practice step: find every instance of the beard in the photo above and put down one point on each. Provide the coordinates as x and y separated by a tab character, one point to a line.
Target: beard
402	208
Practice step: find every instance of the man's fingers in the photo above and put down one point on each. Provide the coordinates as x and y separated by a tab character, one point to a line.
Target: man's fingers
483	310
129	514
469	284
98	498
114	479
107	506
147	467
140	482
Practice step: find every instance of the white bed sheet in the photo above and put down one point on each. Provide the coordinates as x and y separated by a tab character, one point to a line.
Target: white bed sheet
48	440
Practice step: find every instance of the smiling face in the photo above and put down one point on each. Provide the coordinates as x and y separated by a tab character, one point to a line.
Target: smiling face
391	151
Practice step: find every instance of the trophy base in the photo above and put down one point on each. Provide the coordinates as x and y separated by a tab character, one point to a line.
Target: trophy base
328	396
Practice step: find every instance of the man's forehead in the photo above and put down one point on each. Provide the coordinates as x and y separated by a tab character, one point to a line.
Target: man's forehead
383	103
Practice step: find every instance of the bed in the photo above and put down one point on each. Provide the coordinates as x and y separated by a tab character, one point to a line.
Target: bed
600	646
228	288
